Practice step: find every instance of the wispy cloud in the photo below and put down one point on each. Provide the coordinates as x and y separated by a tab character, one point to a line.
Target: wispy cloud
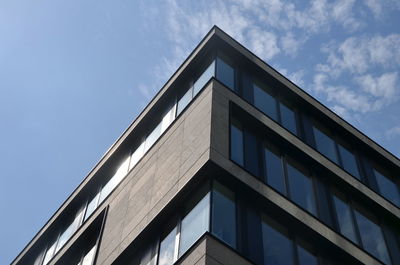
393	133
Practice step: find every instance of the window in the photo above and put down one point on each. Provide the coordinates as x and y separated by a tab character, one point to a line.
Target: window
277	247
168	119
225	74
345	219
387	188
288	118
301	188
70	230
349	162
136	155
167	248
149	257
194	224
49	253
203	79
274	174
92	205
237	144
152	137
325	144
115	180
184	100
224	214
305	257
372	238
88	259
265	102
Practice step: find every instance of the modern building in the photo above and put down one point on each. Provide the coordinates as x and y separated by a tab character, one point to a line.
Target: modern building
230	163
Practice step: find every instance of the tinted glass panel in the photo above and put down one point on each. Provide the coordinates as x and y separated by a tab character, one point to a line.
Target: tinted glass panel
203	79
344	218
237	145
372	238
49	253
168	119
149	256
274	171
152	138
184	100
167	249
225	74
387	188
288	118
195	224
89	257
325	144
69	231
305	257
349	161
301	190
224	214
91	206
251	155
115	180
278	249
265	102
136	155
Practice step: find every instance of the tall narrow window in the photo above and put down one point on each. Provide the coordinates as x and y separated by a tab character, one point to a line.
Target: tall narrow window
168	118
265	102
184	100
225	74
115	180
49	253
167	249
152	137
224	214
288	118
349	161
88	259
237	144
278	248
194	224
69	231
345	219
92	205
387	188
203	79
372	238
136	155
149	257
301	188
274	170
325	144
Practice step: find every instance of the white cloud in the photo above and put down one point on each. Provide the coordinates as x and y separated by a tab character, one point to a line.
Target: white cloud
384	86
375	6
290	43
393	133
263	43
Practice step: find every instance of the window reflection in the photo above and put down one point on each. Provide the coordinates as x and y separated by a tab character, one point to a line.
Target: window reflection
136	155
387	188
203	79
305	257
92	205
225	73
265	102
288	118
152	137
325	144
184	100
167	249
89	257
344	219
274	170
115	180
49	253
349	161
237	144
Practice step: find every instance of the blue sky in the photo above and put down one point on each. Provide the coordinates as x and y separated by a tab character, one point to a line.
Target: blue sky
74	74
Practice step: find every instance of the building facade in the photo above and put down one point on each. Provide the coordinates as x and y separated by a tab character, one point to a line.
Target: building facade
230	163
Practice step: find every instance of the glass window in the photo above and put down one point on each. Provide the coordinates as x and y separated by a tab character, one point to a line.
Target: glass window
372	237
349	161
194	224
224	214
152	137
167	249
38	260
344	219
66	235
49	253
274	171
92	206
225	74
136	155
237	145
325	144
115	180
89	257
265	102
301	189
203	79
168	119
387	188
288	118
277	247
150	255
184	100
305	257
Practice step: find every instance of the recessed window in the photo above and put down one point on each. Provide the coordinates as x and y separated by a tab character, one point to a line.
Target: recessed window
88	259
168	118
387	188
92	205
167	248
301	188
274	170
204	78
325	144
184	100
345	219
136	155
306	257
225	73
288	118
372	238
349	162
264	101
115	180
49	253
237	144
152	137
224	214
